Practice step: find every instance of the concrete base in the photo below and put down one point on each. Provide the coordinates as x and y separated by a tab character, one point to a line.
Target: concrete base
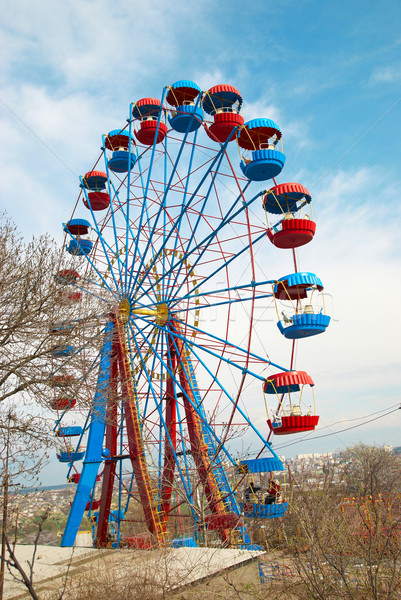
166	569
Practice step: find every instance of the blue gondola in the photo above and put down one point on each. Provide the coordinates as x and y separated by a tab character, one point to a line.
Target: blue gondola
186	116
69	457
185	542
265	164
72	430
61	351
261	465
304	325
121	161
120	142
264	511
77	227
79	247
94	180
261	136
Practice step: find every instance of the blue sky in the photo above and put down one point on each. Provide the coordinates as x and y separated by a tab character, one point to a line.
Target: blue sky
329	73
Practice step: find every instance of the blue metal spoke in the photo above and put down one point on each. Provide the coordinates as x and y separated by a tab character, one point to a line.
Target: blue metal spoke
203	415
85	289
99	232
158	402
207	350
93	266
146	194
134	238
208	240
167	188
128	194
203	245
145	197
222	303
184	211
200	212
223	358
231	345
226	263
131	483
234	288
206	424
234	403
177	224
143	364
117	254
104	243
109	184
164	212
180	422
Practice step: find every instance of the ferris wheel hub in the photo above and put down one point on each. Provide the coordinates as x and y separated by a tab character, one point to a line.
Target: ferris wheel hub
124	309
160	312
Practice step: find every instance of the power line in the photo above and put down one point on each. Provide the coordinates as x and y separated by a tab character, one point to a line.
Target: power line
33	132
356	143
378	412
306	439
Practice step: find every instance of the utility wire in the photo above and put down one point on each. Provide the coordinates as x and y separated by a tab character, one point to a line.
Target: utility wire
306	439
356	143
21	120
378	412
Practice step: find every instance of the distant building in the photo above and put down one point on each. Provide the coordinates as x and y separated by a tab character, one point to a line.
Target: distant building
314	455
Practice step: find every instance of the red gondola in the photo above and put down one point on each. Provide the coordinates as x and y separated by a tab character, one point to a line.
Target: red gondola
147	112
293	424
223	103
62	403
67	297
62	380
293	415
67	276
97	200
293	229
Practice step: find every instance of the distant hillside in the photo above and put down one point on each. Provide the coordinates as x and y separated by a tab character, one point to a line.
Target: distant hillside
397	450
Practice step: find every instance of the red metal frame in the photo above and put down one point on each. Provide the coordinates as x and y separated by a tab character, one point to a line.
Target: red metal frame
111	444
170	436
156	513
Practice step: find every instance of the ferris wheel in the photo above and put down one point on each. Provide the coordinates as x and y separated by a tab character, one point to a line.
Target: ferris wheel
167	280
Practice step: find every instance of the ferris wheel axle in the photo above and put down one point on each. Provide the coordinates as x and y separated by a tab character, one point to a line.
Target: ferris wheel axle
161	312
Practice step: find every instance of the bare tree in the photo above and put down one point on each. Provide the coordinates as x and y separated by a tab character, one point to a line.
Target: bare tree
37	319
24	441
346	548
370	470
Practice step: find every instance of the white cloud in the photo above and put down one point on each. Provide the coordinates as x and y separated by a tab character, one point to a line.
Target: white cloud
387	74
206	80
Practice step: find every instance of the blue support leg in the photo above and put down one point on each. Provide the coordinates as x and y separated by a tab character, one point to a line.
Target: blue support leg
93	456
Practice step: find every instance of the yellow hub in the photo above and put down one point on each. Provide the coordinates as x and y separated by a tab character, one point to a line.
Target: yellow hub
125	309
161	312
